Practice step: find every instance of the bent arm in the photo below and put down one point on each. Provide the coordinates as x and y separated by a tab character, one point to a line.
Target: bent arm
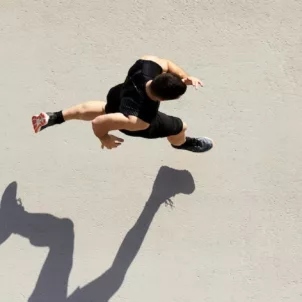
171	67
168	66
116	121
175	69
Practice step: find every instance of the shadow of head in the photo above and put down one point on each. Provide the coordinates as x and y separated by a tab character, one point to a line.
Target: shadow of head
8	204
170	182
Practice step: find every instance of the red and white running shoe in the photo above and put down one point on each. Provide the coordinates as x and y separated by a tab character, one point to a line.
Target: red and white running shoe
40	121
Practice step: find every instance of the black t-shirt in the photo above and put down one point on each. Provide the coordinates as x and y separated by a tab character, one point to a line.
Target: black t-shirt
134	99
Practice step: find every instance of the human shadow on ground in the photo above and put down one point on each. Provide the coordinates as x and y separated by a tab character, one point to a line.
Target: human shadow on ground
42	230
58	235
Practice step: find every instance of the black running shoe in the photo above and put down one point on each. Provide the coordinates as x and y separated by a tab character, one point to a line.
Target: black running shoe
200	144
44	120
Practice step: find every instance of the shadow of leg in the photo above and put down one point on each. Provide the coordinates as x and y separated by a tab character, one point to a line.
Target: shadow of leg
41	230
58	235
10	207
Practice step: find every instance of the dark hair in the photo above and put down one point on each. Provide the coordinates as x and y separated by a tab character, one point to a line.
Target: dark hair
168	86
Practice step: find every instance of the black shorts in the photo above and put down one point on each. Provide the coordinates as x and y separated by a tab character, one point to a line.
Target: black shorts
162	126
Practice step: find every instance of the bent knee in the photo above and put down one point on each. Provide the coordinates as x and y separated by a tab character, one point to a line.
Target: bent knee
181	132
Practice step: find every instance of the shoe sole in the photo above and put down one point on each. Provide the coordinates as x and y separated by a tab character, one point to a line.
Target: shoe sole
38	121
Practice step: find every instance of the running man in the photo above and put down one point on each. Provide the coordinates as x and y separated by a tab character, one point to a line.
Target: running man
132	107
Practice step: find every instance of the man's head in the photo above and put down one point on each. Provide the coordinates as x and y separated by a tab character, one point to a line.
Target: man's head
167	86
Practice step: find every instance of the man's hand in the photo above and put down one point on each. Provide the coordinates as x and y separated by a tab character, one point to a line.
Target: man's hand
192	81
110	141
102	124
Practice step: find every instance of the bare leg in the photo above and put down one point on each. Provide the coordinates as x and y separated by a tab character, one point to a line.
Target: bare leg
85	112
180	138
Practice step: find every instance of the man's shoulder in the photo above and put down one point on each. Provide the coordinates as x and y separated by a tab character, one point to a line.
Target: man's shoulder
161	62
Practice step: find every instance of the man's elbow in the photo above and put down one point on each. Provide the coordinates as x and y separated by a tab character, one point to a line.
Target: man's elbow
96	122
100	126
